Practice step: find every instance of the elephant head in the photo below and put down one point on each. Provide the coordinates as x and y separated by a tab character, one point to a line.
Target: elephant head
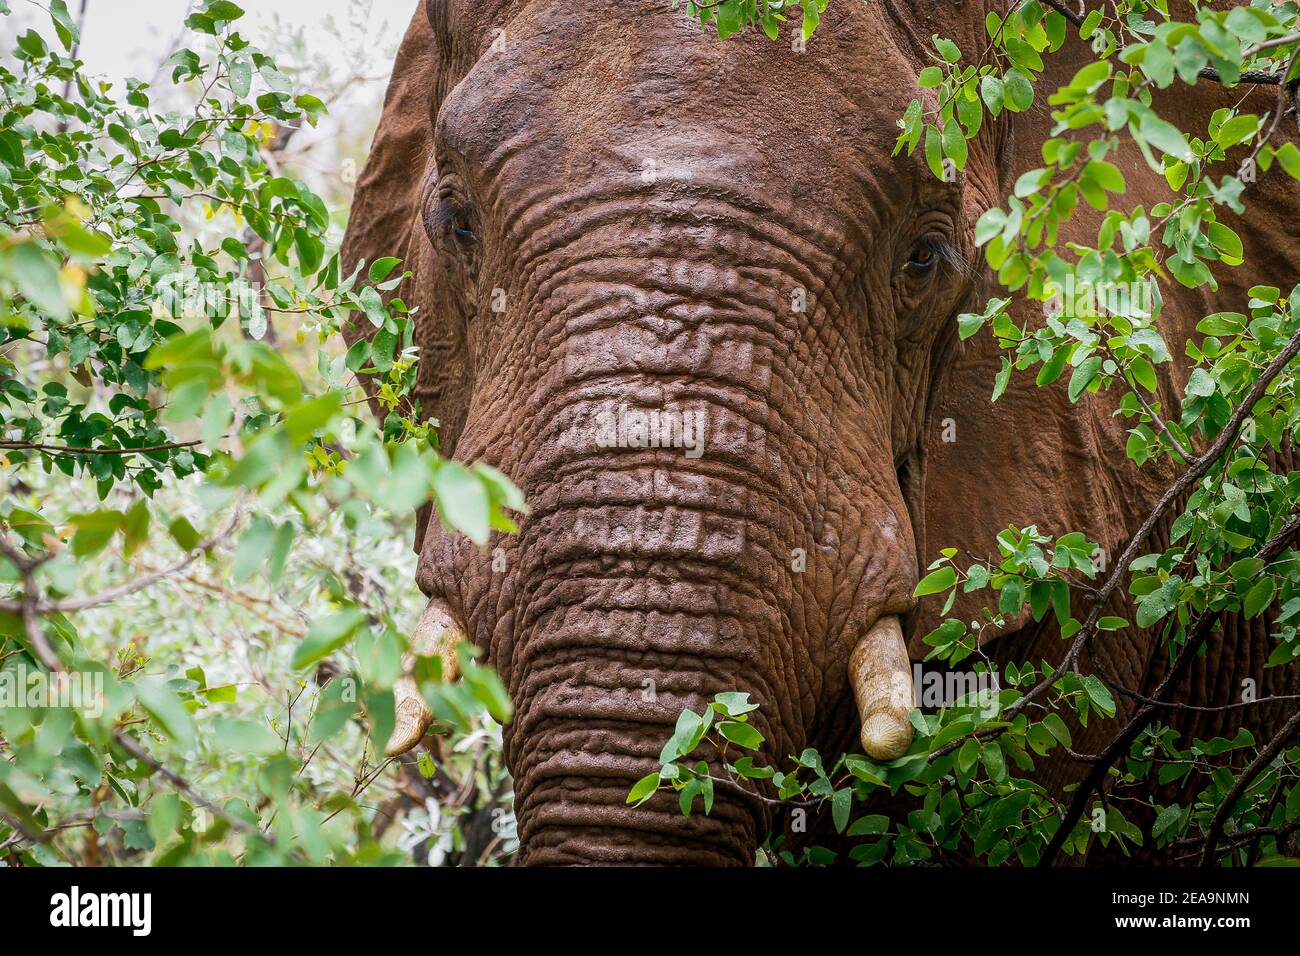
685	295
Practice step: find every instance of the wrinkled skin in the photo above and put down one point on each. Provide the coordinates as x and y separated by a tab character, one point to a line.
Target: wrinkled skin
650	200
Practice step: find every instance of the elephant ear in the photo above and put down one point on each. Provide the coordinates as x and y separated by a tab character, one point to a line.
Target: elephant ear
387	220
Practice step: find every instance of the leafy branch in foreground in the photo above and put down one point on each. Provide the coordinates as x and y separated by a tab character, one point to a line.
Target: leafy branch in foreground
154	260
1229	516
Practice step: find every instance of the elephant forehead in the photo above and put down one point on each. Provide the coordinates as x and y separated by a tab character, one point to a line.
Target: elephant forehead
603	89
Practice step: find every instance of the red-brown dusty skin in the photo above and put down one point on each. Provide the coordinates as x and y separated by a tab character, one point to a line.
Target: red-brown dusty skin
607	209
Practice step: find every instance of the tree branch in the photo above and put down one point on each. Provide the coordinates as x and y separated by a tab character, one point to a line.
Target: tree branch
1199	467
1256	77
131	587
1124	740
1256	767
31	609
70	450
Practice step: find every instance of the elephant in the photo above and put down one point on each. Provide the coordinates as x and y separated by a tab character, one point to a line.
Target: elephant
610	215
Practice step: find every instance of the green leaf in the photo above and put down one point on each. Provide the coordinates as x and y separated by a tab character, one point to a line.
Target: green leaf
994	762
244	736
934	151
1236	130
1199	384
954	143
1002	379
32	44
744	735
373	306
94	531
871	825
841	804
64	25
380	268
1166	137
1144	374
1226	241
280	551
136	835
1090	77
1107	176
1191	274
735	704
1158	63
989	225
992	93
37	278
967	756
1222	323
1054	366
1099	694
325	637
135	527
382	348
183	533
947	49
333	712
1259	597
462	501
968	324
1090	23
936	581
225	694
1289	157
1167	818
1083	376
223	11
166	813
1057	727
644	788
241	76
1019	90
162	704
303	420
254	547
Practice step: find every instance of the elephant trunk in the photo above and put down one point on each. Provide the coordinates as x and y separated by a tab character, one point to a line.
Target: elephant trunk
710	511
638	600
573	775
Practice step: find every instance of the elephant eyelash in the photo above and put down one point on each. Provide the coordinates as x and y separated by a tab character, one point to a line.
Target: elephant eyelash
947	253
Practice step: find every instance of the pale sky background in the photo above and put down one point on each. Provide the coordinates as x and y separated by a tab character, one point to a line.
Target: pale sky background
341	50
128	37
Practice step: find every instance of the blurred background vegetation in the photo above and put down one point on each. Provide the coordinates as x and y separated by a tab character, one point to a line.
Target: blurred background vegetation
259	741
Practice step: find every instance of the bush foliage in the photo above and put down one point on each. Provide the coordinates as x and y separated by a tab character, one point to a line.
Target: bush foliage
1232	547
203	530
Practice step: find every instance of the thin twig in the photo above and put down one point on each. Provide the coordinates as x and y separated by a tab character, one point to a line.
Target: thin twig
131	587
70	450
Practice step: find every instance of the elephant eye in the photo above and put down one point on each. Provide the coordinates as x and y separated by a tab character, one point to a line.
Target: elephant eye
923	259
462	229
454	216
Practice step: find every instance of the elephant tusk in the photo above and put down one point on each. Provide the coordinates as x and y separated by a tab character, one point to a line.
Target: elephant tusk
437	635
881	675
